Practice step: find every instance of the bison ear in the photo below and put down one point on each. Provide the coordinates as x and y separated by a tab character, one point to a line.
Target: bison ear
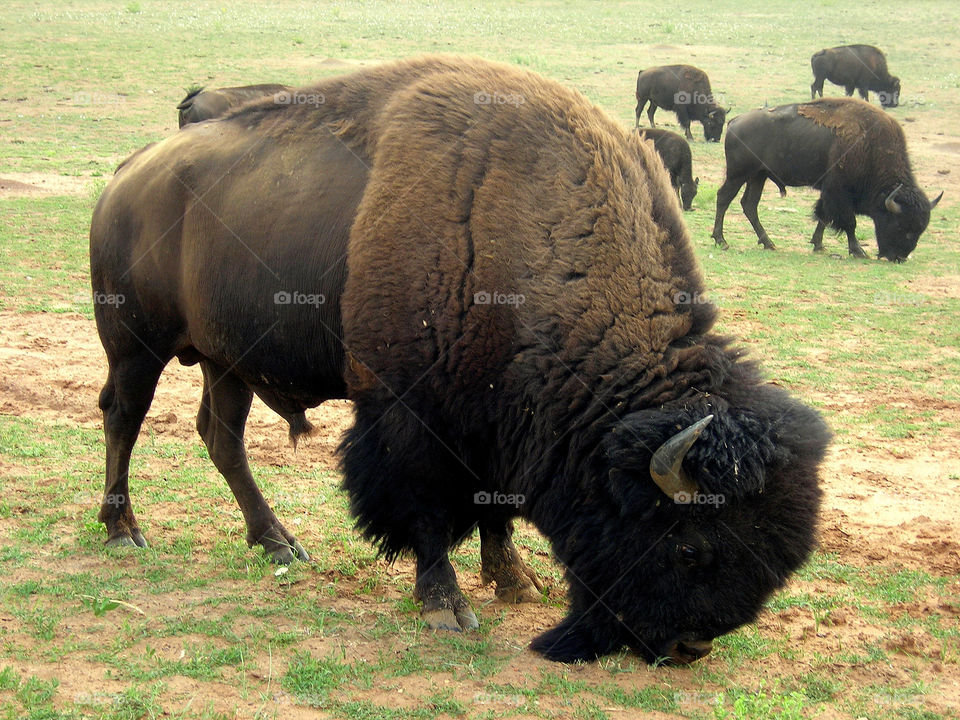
572	641
696	181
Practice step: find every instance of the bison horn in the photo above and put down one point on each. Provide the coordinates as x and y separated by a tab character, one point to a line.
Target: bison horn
891	204
666	464
934	203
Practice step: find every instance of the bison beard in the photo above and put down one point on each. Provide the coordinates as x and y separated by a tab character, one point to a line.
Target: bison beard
512	328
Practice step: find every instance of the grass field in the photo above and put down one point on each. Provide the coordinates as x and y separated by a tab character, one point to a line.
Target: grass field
200	626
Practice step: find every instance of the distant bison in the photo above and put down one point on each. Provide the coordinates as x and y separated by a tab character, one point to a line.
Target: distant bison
855	67
503	290
855	154
675	154
685	90
200	104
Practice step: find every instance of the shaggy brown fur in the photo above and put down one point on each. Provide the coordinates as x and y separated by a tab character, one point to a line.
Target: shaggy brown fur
595	246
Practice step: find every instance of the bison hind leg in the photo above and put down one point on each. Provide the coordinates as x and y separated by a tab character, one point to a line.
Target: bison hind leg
224	407
124	401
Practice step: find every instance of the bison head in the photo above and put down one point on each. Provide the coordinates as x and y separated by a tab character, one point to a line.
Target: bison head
713	122
674	552
890	98
905	215
688	191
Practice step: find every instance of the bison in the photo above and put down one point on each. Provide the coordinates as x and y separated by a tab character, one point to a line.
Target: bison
500	290
200	104
674	151
685	90
850	151
856	67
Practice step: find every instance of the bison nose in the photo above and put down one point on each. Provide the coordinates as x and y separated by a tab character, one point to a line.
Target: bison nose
683	652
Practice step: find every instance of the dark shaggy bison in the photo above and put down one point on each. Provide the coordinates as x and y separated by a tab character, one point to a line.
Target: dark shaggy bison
201	104
674	151
685	90
503	290
855	67
853	153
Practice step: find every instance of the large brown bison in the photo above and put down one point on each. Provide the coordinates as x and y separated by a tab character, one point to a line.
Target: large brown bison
496	287
684	89
853	153
855	67
201	104
675	153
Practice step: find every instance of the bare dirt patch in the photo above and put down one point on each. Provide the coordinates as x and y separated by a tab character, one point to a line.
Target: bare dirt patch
20	184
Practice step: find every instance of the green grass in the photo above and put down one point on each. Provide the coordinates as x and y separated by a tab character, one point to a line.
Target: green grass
87	83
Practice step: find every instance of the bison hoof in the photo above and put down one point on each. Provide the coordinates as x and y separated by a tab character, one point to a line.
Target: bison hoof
447	619
281	547
520	586
818	248
858	252
767	245
134	539
721	243
518	594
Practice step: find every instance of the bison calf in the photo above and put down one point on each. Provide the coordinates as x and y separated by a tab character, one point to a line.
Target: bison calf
685	90
675	153
855	67
853	153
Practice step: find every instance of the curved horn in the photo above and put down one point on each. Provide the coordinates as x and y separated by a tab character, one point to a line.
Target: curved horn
891	204
934	203
666	464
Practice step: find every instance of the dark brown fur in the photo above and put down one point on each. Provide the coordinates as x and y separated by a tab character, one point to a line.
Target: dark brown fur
404	199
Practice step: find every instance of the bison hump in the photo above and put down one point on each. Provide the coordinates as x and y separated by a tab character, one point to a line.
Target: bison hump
848	118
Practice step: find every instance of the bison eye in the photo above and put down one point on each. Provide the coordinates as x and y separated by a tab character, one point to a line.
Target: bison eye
688	554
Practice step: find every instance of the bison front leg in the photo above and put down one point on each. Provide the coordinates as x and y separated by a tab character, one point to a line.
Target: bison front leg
502	564
853	247
444	605
220	422
817	239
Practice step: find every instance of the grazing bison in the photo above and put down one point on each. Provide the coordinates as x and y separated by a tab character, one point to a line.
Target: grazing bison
856	67
853	153
685	90
202	104
674	151
500	289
